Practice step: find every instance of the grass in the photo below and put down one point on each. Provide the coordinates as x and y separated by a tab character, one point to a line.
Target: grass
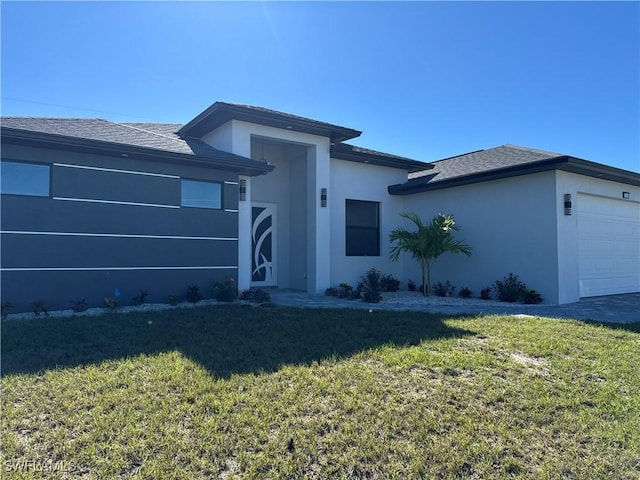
246	392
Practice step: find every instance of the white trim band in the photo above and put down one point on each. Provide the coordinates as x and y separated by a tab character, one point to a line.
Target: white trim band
116	202
230	210
87	269
100	169
230	183
117	235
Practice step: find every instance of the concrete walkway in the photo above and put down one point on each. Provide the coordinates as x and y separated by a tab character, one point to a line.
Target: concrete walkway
615	308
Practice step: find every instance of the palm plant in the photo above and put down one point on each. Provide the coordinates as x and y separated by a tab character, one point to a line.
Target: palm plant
427	243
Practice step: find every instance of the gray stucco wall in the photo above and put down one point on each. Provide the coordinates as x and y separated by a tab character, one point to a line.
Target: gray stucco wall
67	246
511	224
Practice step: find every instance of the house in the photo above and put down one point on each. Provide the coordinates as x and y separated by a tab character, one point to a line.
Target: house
273	199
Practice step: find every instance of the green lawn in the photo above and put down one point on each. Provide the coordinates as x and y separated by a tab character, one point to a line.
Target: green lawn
267	392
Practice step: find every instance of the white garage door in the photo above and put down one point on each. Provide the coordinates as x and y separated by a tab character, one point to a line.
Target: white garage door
608	245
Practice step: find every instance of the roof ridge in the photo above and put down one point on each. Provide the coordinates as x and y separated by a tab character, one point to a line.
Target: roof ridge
456	156
529	149
148	131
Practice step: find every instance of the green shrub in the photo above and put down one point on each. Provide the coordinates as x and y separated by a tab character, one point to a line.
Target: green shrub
5	308
464	293
173	300
225	291
78	305
111	303
38	307
510	289
370	286
443	290
411	286
532	297
193	294
343	291
388	283
255	295
485	293
141	298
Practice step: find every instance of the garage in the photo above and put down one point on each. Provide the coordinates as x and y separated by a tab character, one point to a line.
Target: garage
608	245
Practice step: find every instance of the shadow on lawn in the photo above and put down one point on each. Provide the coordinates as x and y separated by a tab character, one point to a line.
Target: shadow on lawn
224	339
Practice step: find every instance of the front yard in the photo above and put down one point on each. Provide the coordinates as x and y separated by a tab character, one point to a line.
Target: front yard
268	392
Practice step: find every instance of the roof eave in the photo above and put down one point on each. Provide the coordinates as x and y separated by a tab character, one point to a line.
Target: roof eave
564	163
399	163
238	164
220	113
407	189
598	170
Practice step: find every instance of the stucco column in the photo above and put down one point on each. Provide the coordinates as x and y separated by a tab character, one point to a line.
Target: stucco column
318	218
244	238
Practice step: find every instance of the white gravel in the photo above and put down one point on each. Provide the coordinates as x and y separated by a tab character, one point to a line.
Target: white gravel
92	312
415	298
396	298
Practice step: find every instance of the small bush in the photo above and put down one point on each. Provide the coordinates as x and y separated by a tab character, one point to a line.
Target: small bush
464	293
371	286
38	307
485	293
5	307
411	286
510	289
532	297
388	283
443	290
225	291
343	291
141	298
111	303
255	295
78	305
193	294
173	300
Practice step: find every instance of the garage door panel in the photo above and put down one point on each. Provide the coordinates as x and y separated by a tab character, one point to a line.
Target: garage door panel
625	229
608	245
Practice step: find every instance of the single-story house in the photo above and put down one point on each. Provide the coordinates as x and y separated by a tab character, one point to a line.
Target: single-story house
268	198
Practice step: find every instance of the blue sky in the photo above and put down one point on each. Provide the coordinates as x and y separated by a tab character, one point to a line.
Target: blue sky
421	79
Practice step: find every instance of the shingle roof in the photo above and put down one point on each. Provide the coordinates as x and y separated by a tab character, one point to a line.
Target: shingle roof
482	161
156	136
222	112
345	151
501	162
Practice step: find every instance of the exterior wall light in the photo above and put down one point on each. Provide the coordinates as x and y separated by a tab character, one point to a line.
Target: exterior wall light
323	197
626	195
242	190
567	204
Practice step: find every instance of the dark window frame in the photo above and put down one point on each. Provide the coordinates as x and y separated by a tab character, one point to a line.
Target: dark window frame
355	246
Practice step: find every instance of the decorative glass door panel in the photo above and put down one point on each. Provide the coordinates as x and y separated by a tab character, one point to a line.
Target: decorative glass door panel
263	244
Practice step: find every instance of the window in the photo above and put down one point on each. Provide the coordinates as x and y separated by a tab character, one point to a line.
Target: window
24	179
363	228
200	194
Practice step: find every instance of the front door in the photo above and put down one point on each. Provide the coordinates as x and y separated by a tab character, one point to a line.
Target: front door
263	244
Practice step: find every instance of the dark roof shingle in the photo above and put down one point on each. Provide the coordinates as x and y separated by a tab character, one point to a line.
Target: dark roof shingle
222	112
482	161
162	137
502	162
